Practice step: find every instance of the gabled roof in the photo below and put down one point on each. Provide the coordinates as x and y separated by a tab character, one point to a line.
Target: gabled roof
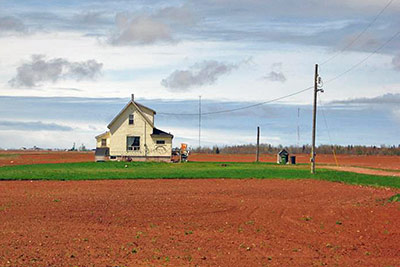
159	132
138	107
141	106
100	135
283	152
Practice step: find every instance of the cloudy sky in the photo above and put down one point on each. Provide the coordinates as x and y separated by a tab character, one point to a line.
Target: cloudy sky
68	67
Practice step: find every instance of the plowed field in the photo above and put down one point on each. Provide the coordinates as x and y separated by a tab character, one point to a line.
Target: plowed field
37	157
197	223
381	162
9	158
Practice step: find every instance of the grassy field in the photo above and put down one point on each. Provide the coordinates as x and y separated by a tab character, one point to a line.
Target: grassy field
152	170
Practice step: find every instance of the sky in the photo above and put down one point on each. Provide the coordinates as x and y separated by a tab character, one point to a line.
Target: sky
68	67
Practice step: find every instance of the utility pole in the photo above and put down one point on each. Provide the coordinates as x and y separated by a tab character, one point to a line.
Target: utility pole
199	121
317	82
298	127
258	145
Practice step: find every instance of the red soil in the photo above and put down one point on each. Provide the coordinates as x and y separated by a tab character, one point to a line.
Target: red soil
383	162
197	223
38	157
364	171
8	158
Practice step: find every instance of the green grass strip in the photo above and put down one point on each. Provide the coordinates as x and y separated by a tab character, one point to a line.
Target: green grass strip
395	198
155	170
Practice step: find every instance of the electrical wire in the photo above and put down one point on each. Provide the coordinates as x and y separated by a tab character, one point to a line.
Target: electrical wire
295	93
240	108
365	59
344	73
289	95
359	35
327	128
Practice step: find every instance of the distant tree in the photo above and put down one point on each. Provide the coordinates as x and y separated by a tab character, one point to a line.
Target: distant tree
321	149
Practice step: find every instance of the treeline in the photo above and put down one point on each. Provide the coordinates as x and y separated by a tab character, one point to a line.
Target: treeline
305	149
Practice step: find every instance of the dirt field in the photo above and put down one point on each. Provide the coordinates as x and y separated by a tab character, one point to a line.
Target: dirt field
37	157
364	170
8	158
381	162
197	223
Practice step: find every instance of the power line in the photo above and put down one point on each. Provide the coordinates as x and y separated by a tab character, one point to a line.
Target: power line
289	95
365	59
293	94
359	35
240	108
329	134
344	73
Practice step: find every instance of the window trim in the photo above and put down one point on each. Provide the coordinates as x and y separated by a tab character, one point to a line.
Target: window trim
133	148
104	142
131	119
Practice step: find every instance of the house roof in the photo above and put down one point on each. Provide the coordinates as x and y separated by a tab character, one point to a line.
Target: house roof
283	152
159	132
138	107
100	135
142	106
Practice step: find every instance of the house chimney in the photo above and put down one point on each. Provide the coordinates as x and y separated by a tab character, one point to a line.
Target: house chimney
132	97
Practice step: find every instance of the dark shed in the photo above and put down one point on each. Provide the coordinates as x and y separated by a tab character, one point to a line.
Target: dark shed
283	157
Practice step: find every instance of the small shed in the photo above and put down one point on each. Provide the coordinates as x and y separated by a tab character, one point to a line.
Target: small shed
282	157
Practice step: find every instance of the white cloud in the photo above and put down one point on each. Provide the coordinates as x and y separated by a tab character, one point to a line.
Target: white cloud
141	30
39	70
11	24
276	74
150	28
396	62
199	74
91	18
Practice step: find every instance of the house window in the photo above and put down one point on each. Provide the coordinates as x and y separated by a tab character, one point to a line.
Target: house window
160	142
132	143
130	119
103	142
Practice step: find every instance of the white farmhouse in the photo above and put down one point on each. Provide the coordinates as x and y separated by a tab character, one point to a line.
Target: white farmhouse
133	136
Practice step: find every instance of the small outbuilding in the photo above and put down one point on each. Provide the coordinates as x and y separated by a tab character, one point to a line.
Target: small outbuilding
282	157
102	154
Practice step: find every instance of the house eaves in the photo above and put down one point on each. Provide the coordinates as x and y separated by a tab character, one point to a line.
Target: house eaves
137	106
103	134
161	133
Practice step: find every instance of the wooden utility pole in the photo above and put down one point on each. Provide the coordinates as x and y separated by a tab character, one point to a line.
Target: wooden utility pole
298	127
316	90
258	145
199	122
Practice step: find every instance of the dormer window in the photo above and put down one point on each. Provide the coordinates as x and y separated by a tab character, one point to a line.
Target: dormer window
130	119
